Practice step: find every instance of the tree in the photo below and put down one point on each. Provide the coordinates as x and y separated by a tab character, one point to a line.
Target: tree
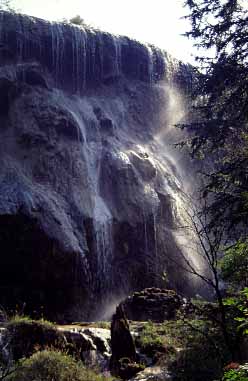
208	245
218	134
219	129
234	265
77	20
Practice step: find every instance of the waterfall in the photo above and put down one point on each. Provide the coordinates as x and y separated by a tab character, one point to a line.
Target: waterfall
77	56
150	64
101	216
57	50
117	46
88	138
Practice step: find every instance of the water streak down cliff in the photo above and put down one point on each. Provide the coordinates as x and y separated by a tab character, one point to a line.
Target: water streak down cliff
90	199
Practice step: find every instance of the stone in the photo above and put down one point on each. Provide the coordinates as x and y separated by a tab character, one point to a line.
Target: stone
80	342
153	304
33	77
122	344
6	86
154	373
100	338
107	126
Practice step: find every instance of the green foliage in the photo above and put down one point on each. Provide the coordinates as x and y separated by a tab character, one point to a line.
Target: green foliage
149	340
194	349
20	319
234	264
220	124
239	374
202	350
51	365
240	303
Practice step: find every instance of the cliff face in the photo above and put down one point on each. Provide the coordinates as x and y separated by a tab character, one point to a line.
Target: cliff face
90	200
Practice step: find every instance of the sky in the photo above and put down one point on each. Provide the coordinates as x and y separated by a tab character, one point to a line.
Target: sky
153	21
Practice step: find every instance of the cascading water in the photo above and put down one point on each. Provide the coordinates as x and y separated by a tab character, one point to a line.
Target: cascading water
93	55
88	144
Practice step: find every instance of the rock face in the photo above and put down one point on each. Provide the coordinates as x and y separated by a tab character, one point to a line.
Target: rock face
123	359
152	304
90	196
120	333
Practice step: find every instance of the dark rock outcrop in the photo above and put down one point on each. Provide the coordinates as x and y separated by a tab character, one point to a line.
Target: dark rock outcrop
123	359
152	304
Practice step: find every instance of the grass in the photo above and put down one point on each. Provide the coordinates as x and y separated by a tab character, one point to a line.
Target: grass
21	319
192	349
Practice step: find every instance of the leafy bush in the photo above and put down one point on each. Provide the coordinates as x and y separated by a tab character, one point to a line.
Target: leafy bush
54	366
201	350
238	374
234	265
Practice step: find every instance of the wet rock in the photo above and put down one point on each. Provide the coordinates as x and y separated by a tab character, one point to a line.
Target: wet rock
80	342
32	76
91	344
128	368
100	338
6	89
155	373
107	126
152	304
144	165
122	344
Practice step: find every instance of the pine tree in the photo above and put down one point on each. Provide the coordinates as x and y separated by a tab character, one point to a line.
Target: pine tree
219	130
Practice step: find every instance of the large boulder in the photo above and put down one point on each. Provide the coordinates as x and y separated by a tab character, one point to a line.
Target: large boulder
123	359
153	304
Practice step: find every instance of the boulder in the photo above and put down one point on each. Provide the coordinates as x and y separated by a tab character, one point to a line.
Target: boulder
153	304
155	373
122	344
100	338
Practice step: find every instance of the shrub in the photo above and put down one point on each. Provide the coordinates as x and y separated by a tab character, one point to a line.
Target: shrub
53	365
202	350
238	374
